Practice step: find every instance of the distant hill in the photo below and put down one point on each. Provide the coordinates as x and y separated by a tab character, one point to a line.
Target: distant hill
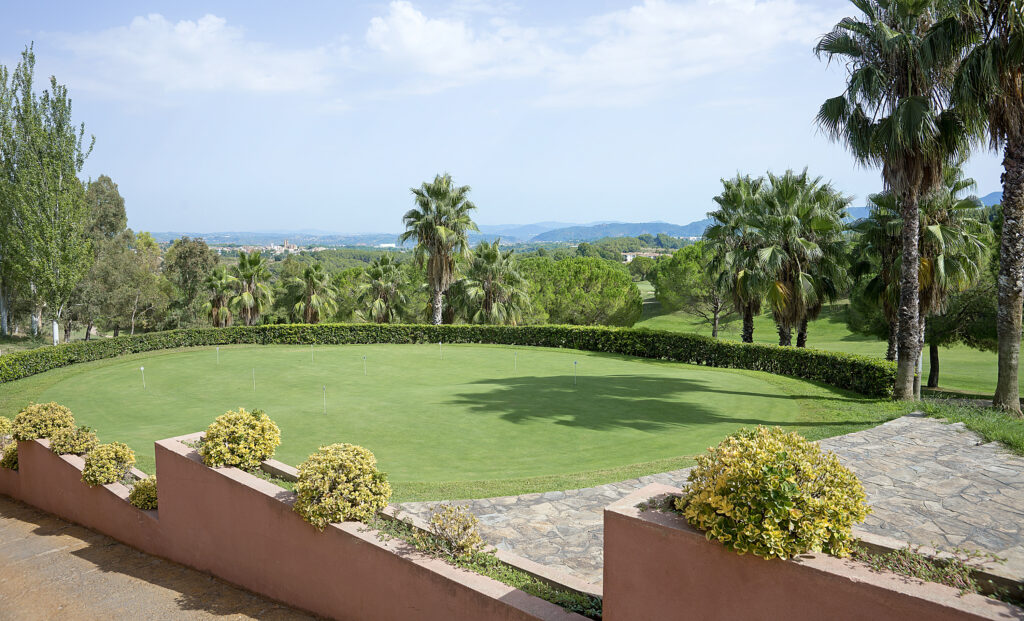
994	198
299	238
621	229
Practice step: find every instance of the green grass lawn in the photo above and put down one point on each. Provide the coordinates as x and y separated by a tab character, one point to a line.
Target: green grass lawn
960	368
485	420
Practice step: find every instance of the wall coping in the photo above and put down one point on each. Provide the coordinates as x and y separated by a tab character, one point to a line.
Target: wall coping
487	586
968	603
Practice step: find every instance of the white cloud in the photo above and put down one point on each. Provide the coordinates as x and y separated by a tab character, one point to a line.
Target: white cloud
617	57
202	55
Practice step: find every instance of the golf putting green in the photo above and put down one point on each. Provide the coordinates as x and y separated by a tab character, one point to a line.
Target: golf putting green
445	420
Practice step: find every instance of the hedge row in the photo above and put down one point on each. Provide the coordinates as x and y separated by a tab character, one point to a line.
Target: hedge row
862	374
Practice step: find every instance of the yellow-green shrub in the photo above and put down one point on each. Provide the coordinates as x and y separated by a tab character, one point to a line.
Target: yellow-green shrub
73	441
774	495
241	439
340	482
143	494
108	463
454	531
5	426
41	420
9	455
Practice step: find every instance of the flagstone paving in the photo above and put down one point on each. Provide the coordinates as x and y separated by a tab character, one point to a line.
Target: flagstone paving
928	483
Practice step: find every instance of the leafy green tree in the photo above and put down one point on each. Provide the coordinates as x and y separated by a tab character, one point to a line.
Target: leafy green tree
731	241
440	223
641	267
990	84
49	210
580	291
187	263
253	295
685	282
875	267
219	285
107	216
318	298
895	114
969	318
135	289
382	298
493	291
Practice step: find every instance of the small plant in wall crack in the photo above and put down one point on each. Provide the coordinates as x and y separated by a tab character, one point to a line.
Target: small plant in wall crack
454	532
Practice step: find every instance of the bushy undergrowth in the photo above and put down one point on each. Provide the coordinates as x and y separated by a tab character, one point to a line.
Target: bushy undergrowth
862	374
108	463
41	420
73	440
774	495
453	532
9	454
5	427
338	483
240	439
487	564
143	494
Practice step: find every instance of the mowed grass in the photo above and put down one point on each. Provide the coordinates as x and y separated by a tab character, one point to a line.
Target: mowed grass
960	368
484	420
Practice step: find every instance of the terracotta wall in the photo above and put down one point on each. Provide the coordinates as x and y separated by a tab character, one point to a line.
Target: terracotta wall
657	567
242	529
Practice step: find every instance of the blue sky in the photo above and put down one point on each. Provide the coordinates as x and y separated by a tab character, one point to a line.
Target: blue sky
259	116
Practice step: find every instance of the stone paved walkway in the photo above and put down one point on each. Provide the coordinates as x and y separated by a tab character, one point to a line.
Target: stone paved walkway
928	483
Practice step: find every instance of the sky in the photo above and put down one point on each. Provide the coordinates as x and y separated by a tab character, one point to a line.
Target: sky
246	116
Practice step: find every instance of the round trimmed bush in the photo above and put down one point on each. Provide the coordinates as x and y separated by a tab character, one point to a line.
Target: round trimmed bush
41	420
9	455
774	495
108	463
5	426
143	494
73	441
241	439
339	483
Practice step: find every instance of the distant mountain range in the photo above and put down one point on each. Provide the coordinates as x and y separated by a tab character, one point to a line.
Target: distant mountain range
509	233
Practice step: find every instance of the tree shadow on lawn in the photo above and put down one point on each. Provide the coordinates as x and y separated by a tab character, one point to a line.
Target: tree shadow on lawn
640	402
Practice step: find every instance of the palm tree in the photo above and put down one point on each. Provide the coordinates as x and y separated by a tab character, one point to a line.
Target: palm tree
252	294
990	83
383	297
440	223
796	243
219	284
493	291
729	241
954	249
895	114
876	258
319	296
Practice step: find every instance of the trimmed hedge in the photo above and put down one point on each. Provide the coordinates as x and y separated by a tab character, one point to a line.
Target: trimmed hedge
862	374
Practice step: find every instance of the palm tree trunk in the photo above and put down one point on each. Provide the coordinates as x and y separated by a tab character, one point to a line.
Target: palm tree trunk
801	333
785	335
890	350
920	358
1011	279
438	306
933	365
748	325
908	339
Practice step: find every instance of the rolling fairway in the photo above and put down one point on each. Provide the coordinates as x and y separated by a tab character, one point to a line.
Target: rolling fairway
470	424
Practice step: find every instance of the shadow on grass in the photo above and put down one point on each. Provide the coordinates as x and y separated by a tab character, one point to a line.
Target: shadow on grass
641	402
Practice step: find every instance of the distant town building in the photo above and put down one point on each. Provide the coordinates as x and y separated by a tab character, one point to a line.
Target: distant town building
629	256
386	245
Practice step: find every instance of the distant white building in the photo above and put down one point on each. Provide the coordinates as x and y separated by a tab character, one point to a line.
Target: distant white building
387	246
629	256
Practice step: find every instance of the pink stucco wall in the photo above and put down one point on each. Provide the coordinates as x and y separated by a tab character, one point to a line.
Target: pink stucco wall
242	529
657	567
